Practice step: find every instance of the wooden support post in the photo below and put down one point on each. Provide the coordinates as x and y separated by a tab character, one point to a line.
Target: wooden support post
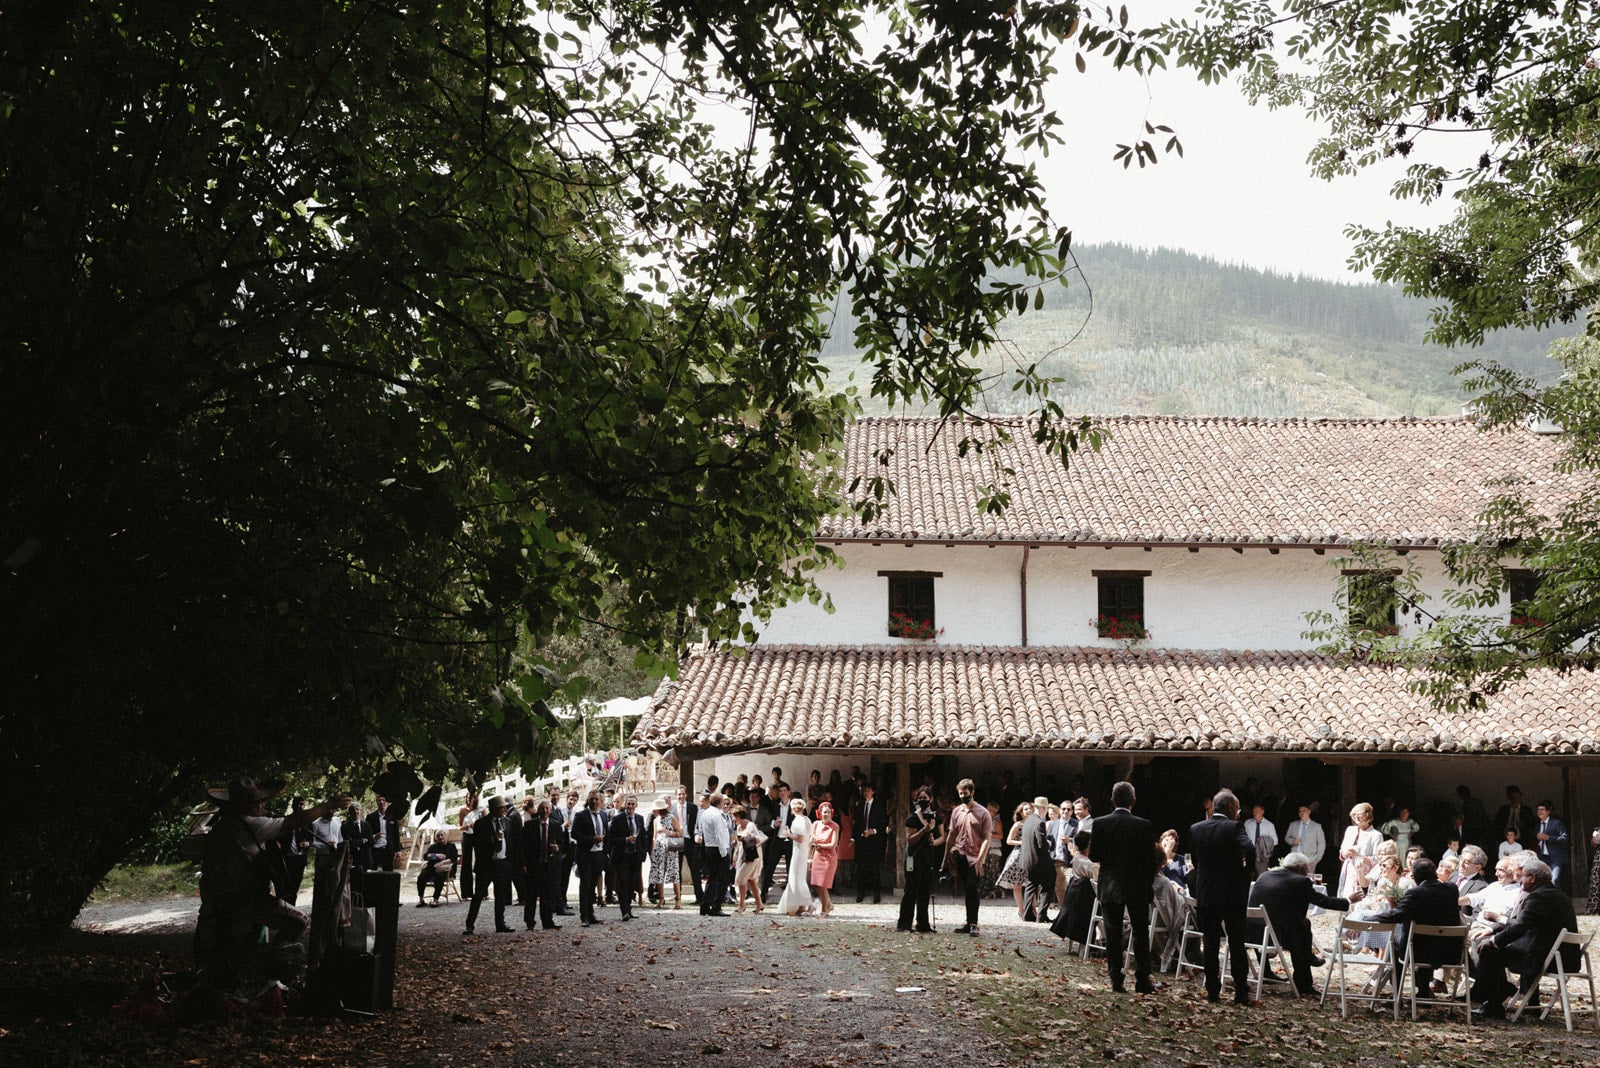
898	814
1347	800
686	778
1577	832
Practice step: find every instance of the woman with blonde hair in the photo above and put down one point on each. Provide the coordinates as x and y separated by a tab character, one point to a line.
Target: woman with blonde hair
824	854
1358	850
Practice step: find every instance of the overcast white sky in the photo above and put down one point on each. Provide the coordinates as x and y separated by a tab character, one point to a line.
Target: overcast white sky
1242	192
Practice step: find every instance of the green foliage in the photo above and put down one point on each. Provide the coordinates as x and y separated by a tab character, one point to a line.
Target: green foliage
354	354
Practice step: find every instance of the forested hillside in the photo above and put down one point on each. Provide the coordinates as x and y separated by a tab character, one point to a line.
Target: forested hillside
1174	333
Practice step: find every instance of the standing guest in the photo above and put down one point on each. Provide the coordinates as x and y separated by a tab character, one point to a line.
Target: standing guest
1263	836
544	849
747	844
589	844
970	843
777	778
1012	877
1305	836
1124	845
1554	847
778	796
1173	866
924	840
1512	843
498	843
797	899
1285	893
1594	873
1060	831
1224	859
869	831
1515	815
666	854
1475	825
989	878
824	854
724	805
356	836
326	837
691	846
296	848
1541	917
628	844
1402	829
565	814
1039	873
712	833
438	861
384	831
1358	850
815	790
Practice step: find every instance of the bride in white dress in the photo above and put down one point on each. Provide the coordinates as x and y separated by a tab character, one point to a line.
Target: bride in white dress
797	899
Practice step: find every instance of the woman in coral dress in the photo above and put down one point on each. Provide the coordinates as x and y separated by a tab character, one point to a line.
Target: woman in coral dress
824	854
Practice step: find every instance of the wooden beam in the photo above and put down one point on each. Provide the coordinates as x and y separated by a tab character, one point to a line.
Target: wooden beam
899	813
1572	809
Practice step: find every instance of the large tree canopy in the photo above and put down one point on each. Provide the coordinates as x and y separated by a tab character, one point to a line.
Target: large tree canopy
1519	82
352	350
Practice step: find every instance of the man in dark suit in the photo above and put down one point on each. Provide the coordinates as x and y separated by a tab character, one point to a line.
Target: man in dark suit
1470	877
437	864
869	829
1286	892
1550	841
693	850
1430	902
1224	860
589	848
1514	814
1037	866
779	819
384	831
1540	918
1124	845
544	864
498	849
628	842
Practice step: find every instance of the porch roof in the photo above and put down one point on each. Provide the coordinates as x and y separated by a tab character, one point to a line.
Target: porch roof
923	696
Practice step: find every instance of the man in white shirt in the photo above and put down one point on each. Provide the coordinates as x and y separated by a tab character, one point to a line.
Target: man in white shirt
1305	836
711	832
1263	835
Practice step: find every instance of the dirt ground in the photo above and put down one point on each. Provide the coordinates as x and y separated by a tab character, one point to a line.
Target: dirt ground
674	988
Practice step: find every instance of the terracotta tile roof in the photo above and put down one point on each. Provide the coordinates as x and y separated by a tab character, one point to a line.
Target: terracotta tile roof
932	696
1223	480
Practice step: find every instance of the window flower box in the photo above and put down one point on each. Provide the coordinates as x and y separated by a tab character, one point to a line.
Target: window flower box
904	626
1129	628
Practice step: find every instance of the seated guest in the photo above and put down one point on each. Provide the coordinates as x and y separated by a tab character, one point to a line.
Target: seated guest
1173	866
437	864
1077	905
1542	916
1449	867
1471	874
1490	906
1286	893
1432	902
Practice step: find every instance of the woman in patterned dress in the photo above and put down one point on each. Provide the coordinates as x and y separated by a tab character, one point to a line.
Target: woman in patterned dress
666	853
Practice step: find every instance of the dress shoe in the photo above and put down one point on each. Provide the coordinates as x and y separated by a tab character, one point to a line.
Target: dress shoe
552	927
502	930
1145	988
1246	1003
1489	1012
903	927
627	916
965	928
715	912
1213	998
926	930
1117	987
859	898
877	899
468	931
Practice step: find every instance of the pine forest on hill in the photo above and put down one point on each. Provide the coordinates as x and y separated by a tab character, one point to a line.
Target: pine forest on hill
1172	333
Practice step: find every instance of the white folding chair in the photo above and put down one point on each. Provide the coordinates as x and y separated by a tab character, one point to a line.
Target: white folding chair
1555	968
1407	983
1264	952
1191	936
1097	930
1379	968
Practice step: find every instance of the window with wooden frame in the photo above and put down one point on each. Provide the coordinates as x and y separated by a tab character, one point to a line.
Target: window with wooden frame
1372	602
1522	586
1120	605
911	613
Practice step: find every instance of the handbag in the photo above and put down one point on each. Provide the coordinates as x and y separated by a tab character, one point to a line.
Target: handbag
362	934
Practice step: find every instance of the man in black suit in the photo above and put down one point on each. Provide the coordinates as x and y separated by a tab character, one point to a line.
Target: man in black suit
869	829
1224	860
1037	866
437	863
693	851
1124	845
1286	892
384	831
1470	877
589	848
544	864
779	819
1515	814
1538	920
498	848
1430	902
628	842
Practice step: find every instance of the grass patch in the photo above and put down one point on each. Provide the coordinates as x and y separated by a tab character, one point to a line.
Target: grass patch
140	882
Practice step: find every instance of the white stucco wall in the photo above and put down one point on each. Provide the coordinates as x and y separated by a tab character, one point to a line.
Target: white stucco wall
1210	599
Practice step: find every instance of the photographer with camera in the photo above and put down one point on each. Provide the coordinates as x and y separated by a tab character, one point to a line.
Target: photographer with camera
924	851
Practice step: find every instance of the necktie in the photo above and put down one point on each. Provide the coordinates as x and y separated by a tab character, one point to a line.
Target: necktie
1258	831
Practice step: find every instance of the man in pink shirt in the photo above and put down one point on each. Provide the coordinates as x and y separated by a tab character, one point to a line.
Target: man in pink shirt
969	845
